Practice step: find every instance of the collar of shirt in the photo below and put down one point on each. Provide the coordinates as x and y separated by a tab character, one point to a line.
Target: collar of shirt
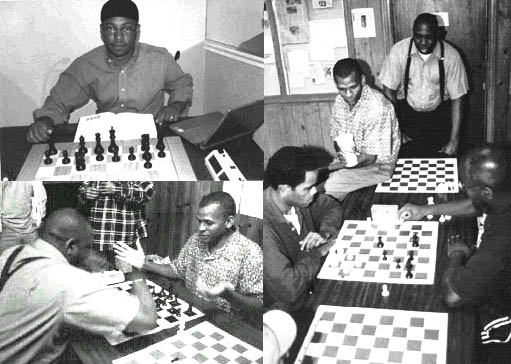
110	63
222	252
360	103
435	55
272	212
49	250
292	217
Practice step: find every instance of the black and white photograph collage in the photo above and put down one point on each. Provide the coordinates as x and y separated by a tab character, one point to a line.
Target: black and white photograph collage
255	182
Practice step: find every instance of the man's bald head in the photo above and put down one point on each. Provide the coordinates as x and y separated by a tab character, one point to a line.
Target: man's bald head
66	225
488	165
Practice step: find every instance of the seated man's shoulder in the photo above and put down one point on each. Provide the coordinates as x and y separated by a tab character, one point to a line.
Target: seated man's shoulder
149	49
401	46
246	243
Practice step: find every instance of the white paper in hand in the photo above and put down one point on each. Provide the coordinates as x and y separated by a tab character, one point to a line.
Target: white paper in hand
346	145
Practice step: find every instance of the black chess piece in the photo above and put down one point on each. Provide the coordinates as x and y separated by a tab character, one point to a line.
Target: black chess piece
131	156
112	145
80	161
116	157
66	159
52	148
189	311
100	157
409	273
147	164
160	145
384	255
83	149
380	243
145	142
99	148
415	240
410	256
48	159
398	266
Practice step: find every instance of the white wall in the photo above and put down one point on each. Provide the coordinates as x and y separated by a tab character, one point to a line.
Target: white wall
39	39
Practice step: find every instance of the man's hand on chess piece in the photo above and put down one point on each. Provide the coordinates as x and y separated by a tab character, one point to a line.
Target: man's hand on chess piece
497	331
456	245
211	292
170	113
411	212
40	130
94	262
129	255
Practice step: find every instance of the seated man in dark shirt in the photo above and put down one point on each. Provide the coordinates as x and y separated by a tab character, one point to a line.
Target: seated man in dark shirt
299	228
482	278
122	75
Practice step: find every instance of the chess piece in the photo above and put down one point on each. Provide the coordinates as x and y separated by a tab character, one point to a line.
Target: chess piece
442	219
66	159
409	273
48	159
380	243
384	255
410	256
100	157
116	157
415	240
83	149
131	156
385	291
99	148
52	148
431	201
79	161
398	266
112	145
189	311
160	145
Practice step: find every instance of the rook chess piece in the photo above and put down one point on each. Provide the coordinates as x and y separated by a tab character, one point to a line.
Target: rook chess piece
131	156
48	159
66	159
189	311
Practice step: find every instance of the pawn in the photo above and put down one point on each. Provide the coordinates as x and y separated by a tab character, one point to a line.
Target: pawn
410	256
116	157
48	159
409	274
380	243
415	240
385	291
66	159
83	149
80	161
147	164
100	157
398	266
384	255
131	156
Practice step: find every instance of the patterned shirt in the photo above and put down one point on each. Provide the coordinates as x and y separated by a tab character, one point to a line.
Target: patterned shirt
424	86
373	123
117	217
239	261
137	87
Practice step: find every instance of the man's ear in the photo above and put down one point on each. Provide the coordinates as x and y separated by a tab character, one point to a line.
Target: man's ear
487	192
72	248
229	222
284	188
363	79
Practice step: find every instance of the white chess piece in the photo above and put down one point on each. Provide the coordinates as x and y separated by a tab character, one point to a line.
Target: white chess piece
442	219
385	291
431	201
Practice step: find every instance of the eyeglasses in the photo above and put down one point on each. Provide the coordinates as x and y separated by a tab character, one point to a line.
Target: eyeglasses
125	30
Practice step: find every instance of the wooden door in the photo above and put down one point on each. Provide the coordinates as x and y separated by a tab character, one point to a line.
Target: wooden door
467	31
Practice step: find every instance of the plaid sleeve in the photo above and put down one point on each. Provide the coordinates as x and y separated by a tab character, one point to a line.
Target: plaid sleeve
137	192
88	191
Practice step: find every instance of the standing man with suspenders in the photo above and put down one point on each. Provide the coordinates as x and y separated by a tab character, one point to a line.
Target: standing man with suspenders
425	78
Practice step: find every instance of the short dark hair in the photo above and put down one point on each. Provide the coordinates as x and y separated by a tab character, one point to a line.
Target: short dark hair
426	18
288	166
489	164
345	67
221	198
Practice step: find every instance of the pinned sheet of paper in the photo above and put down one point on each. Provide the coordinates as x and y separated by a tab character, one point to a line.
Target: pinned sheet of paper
298	61
363	23
325	35
443	18
317	73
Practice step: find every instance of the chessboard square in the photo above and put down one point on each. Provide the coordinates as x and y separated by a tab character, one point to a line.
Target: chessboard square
427	233
199	346
331	351
421	275
403	184
350	340
217	336
362	354
357	318
260	360
163	313
339	328
413	345
370	273
134	361
392	239
374	258
219	347
404	233
384	266
347	237
360	232
355	244
431	334
395	274
381	342
171	319
368	329
307	359
198	334
319	337
395	356
343	362
364	251
417	321
352	226
238	348
399	332
59	171
179	344
157	354
428	358
401	246
243	360
365	341
424	247
328	316
368	238
200	358
386	320
381	232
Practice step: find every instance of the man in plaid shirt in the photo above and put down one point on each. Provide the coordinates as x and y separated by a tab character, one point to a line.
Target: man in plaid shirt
116	212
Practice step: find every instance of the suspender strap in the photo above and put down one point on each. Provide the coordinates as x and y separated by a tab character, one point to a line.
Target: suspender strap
5	275
441	69
407	69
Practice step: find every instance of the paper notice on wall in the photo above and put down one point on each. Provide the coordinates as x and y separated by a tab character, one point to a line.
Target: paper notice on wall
443	18
325	36
292	21
296	79
321	4
363	23
298	62
317	73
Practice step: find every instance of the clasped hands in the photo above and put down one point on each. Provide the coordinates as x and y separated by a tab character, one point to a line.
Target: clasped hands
209	293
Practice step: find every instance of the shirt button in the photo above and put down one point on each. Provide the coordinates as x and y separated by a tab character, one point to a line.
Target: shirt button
122	105
122	89
122	71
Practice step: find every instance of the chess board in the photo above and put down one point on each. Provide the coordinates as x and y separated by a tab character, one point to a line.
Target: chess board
175	166
356	257
204	343
355	335
422	176
171	311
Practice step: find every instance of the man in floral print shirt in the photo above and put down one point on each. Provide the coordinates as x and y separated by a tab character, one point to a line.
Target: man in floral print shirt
217	262
367	119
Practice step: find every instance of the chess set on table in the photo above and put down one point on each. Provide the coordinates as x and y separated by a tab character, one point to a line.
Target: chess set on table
162	158
173	312
422	176
356	335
